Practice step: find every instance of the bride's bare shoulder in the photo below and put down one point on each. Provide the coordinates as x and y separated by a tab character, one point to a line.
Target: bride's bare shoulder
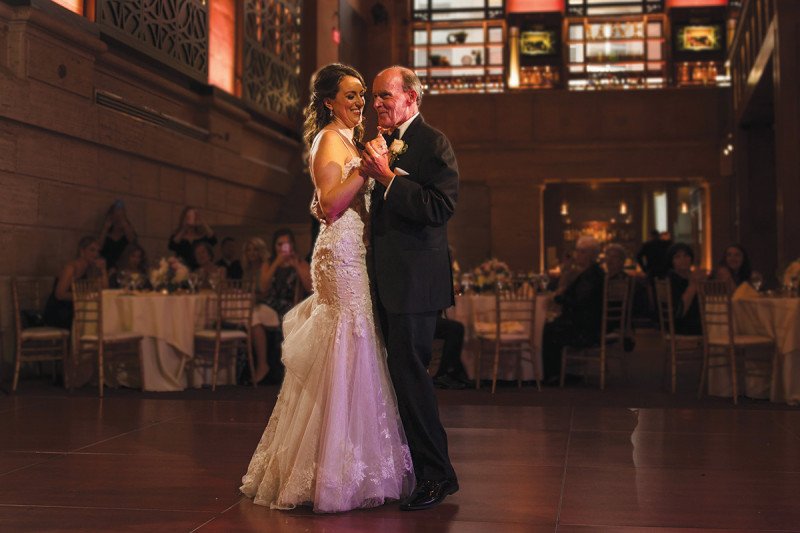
328	147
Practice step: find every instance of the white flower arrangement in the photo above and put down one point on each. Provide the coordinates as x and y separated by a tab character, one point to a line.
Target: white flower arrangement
792	273
170	273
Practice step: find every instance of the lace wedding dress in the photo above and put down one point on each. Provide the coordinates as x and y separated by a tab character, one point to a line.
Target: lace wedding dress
334	440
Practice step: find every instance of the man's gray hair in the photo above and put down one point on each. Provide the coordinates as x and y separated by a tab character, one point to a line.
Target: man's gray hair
411	81
587	242
615	248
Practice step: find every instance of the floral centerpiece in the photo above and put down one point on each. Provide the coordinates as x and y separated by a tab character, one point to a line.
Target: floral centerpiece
792	274
170	274
489	273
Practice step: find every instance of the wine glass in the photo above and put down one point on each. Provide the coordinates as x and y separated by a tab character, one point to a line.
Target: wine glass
466	282
757	280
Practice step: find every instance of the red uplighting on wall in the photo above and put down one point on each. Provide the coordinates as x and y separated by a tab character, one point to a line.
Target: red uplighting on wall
73	5
696	3
534	6
222	44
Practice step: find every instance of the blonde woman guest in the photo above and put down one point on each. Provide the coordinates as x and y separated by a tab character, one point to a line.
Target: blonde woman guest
192	229
117	233
87	265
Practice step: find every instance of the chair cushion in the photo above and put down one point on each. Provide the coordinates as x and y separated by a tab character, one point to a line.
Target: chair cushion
506	327
685	338
742	340
44	333
126	336
225	334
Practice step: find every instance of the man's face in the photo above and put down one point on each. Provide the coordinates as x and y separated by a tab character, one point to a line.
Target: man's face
393	105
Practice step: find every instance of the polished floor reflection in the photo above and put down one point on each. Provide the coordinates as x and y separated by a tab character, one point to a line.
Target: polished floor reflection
573	460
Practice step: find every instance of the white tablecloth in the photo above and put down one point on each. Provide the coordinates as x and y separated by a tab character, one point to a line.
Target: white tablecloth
167	323
778	319
531	363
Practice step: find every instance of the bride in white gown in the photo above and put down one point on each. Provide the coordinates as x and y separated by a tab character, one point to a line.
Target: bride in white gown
334	440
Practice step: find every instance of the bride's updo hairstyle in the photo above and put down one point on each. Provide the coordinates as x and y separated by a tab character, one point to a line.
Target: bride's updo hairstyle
325	85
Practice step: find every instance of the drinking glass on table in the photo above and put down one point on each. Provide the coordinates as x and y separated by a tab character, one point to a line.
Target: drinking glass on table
756	280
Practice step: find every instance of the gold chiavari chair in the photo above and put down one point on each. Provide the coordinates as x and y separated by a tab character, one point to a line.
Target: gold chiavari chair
229	316
678	348
613	330
720	338
89	337
35	343
508	328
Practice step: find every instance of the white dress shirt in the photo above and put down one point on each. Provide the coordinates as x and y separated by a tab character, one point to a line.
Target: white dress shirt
397	170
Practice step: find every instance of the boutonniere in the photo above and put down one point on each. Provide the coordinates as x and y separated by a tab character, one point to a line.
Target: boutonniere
396	149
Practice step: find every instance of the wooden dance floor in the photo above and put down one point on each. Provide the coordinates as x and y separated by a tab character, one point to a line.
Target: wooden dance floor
573	460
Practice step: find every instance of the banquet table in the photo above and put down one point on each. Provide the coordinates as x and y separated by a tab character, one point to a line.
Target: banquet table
167	323
463	311
779	319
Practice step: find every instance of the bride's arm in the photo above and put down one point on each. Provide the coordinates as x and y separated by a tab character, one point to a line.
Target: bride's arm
334	194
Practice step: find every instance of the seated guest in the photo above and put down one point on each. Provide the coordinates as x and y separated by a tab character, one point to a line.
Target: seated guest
232	266
581	303
207	272
286	278
684	283
88	264
132	262
451	373
615	262
734	266
190	231
254	257
116	235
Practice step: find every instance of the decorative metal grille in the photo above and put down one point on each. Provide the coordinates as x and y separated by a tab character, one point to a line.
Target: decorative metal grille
271	55
173	31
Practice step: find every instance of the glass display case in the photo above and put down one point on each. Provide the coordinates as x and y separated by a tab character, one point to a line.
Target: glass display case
460	56
618	52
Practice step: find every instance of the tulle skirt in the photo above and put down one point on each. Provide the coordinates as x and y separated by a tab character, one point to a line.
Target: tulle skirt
334	440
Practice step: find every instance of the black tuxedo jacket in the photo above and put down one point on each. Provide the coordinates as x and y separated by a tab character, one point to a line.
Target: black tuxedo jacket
411	260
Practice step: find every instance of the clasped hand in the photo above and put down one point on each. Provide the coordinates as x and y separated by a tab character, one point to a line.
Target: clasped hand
375	161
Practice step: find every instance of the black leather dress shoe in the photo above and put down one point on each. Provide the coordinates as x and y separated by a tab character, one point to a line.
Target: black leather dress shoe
429	494
448	382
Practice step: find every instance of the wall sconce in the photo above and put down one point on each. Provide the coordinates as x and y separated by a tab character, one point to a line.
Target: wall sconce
623	208
513	59
684	208
564	209
336	35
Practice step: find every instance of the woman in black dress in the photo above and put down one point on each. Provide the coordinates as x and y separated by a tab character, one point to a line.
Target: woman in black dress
87	265
191	231
117	233
685	284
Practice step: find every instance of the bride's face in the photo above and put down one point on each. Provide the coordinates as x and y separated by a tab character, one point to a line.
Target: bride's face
348	106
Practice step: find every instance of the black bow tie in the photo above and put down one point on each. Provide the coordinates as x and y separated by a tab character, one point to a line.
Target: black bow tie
393	137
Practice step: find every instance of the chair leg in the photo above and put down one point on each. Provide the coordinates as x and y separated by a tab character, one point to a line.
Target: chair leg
250	362
703	372
519	369
100	369
496	362
734	378
215	367
478	365
673	367
603	367
563	367
17	367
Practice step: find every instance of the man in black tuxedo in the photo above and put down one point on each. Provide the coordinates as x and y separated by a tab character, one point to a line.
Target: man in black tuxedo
414	196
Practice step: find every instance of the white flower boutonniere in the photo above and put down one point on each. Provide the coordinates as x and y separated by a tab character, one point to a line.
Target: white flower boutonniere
396	149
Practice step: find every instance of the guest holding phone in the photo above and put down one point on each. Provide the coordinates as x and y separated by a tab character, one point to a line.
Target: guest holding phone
117	234
192	230
286	278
